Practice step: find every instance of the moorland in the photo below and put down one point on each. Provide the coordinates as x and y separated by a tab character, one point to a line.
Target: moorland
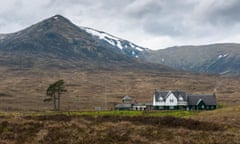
25	118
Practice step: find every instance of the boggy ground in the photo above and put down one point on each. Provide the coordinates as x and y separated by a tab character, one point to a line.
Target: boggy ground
25	90
65	129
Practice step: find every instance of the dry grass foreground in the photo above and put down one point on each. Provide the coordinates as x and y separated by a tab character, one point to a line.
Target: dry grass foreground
25	90
65	129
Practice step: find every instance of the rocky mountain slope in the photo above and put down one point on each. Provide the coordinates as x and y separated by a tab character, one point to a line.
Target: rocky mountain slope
58	43
215	58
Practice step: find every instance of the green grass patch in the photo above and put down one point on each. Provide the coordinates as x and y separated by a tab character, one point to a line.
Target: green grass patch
221	105
107	113
132	113
170	113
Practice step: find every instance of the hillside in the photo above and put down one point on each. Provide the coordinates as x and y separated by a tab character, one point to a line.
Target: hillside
56	43
215	58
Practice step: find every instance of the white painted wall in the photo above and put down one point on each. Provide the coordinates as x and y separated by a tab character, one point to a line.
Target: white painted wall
167	102
154	101
170	97
159	103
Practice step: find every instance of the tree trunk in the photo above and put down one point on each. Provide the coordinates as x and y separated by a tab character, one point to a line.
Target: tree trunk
54	102
58	101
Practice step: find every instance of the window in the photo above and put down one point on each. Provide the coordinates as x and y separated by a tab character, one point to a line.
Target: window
161	107
180	98
160	99
171	100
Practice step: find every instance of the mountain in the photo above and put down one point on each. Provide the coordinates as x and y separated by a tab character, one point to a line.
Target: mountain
57	43
215	58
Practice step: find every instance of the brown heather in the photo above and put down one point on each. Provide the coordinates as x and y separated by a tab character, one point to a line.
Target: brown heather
24	91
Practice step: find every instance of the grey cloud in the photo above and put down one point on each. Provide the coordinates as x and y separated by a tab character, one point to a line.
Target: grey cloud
179	19
113	4
150	8
161	28
160	17
225	13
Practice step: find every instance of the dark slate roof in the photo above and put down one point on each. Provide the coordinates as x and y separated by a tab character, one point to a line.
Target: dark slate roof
159	94
164	94
149	104
143	104
179	94
207	99
123	106
139	104
127	98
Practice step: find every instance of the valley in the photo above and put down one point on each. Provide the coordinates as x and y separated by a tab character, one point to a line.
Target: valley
99	69
25	118
25	90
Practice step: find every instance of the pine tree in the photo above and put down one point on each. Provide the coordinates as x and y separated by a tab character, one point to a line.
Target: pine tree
54	92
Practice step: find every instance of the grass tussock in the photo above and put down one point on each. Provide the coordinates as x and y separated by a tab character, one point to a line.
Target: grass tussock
19	132
62	129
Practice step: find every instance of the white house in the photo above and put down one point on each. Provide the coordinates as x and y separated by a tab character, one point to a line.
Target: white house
169	100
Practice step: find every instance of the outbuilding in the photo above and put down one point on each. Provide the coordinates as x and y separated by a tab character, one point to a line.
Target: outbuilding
202	102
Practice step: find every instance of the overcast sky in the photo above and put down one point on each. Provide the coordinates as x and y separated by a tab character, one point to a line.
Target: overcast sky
153	24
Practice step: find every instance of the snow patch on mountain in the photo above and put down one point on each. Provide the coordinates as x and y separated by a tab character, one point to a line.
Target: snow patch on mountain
225	72
222	55
56	17
101	35
119	45
114	41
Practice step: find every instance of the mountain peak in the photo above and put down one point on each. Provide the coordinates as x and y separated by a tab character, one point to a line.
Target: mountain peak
54	26
59	18
56	20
